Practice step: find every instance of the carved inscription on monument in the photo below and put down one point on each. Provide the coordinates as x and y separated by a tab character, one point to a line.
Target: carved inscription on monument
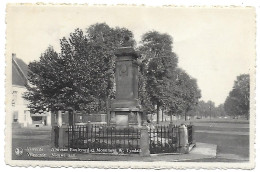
123	70
124	84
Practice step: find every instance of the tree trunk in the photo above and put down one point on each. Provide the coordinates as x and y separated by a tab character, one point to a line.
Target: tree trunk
162	115
107	110
71	117
171	116
185	115
158	110
99	106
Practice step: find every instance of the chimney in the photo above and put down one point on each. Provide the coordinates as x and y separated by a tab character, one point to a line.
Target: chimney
13	56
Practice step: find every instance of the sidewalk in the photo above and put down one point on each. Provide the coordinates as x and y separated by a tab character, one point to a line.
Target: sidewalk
224	132
201	151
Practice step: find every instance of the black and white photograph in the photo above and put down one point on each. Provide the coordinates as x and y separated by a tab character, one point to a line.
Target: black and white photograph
133	85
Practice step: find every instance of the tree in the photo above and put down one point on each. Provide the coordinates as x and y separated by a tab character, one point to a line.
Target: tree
159	63
175	101
167	86
142	92
238	100
221	111
104	41
54	85
81	75
208	109
188	92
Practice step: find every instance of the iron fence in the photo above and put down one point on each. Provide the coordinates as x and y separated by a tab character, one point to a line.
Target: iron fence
108	139
167	139
190	129
105	139
163	139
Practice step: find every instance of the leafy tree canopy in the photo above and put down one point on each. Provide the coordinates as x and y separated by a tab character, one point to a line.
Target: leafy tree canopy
238	100
166	85
159	62
81	76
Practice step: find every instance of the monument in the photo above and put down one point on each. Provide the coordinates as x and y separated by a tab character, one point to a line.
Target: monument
126	110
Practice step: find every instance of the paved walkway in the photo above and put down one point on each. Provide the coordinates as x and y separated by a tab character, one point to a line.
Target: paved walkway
223	132
222	125
232	157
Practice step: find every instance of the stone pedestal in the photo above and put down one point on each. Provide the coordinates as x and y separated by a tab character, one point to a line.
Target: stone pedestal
59	121
125	117
183	139
126	109
63	136
144	142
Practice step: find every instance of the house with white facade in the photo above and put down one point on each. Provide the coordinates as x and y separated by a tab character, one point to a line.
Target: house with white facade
20	111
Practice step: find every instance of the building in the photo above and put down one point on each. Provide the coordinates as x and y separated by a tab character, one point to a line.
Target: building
20	111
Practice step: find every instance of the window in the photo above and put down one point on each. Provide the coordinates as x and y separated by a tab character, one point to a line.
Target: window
25	112
36	118
14	99
15	116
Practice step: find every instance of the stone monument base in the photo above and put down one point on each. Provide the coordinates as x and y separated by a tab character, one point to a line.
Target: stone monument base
125	117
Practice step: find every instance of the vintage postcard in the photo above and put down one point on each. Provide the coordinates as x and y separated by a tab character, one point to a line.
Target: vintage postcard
130	86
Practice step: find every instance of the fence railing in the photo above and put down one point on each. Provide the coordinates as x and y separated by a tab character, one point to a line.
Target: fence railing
104	139
163	139
169	139
190	129
108	139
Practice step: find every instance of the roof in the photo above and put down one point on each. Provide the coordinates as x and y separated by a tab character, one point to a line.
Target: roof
19	71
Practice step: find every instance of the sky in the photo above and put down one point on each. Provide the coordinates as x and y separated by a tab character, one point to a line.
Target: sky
214	45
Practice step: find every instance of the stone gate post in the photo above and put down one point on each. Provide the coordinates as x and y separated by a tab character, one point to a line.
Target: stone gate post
54	135
183	139
63	136
144	142
59	122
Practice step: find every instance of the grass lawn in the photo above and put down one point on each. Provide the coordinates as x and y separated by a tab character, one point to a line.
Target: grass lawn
230	137
29	137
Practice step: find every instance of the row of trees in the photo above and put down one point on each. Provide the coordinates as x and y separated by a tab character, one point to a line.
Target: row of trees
166	86
81	76
238	101
236	104
208	110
